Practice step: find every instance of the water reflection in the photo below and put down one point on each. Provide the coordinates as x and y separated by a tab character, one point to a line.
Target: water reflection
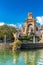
32	57
40	59
15	56
5	56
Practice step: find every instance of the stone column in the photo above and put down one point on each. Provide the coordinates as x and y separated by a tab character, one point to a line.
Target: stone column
34	39
5	39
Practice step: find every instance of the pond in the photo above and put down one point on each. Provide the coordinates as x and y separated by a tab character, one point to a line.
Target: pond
32	57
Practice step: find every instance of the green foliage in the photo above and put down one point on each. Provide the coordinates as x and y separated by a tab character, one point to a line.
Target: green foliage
7	30
26	37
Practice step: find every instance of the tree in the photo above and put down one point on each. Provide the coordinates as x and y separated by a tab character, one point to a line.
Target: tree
7	30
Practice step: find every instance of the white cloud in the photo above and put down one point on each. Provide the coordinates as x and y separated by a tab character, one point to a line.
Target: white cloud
2	23
19	25
39	20
12	25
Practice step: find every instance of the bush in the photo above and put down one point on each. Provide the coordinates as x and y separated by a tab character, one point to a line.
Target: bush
25	37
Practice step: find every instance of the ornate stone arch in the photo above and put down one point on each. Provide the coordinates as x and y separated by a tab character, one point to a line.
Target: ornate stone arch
29	28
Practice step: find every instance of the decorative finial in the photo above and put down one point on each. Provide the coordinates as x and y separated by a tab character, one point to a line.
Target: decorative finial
30	15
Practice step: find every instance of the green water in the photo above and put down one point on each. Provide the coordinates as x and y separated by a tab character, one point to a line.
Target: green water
32	57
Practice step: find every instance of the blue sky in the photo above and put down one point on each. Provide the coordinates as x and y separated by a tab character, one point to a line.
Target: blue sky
15	11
